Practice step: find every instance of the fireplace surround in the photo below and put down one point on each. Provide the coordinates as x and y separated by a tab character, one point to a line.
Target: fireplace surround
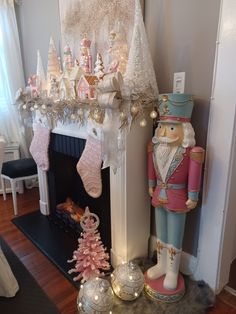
65	183
129	200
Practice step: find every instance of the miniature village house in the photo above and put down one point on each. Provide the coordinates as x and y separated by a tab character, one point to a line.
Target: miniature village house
75	76
86	88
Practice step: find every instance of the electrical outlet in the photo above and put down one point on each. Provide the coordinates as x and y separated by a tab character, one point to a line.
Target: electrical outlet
179	82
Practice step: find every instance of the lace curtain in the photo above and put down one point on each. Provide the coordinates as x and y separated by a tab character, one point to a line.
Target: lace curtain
11	75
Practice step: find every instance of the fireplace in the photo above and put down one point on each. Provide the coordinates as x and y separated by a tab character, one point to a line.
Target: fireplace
65	187
129	200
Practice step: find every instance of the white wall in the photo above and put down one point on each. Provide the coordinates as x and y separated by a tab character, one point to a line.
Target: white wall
37	21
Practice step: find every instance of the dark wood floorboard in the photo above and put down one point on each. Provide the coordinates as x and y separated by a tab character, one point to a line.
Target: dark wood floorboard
57	287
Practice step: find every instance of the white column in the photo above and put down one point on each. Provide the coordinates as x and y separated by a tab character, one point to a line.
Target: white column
130	203
218	215
43	192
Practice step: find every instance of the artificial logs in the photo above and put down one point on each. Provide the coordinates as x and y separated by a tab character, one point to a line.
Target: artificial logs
90	257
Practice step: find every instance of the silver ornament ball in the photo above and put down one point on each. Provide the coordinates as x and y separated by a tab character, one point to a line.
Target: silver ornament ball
127	281
95	296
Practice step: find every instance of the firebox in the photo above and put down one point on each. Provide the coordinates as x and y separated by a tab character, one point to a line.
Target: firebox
67	196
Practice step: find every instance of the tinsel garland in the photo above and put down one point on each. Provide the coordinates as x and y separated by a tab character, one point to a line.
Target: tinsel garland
136	106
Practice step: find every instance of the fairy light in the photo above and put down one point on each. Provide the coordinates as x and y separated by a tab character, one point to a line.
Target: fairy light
143	122
122	114
134	109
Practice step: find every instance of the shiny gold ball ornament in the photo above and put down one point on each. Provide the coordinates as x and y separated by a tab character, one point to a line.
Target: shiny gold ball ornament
127	281
153	114
95	296
143	122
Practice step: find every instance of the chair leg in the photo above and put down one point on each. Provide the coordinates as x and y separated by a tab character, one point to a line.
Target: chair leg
13	189
3	188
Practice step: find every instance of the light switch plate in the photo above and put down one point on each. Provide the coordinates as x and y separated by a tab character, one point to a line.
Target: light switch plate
179	82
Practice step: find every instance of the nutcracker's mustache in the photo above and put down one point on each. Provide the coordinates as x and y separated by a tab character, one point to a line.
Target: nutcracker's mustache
164	140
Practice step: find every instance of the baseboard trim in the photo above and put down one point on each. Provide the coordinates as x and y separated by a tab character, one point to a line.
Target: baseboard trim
230	290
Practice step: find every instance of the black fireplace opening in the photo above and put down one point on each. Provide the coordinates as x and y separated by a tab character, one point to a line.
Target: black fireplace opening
65	186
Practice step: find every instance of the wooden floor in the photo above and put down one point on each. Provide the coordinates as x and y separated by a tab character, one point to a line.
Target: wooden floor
56	286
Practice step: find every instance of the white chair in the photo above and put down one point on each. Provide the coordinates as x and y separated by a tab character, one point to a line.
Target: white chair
17	170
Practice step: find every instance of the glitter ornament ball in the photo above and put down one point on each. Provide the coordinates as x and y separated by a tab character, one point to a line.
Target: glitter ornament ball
127	281
95	296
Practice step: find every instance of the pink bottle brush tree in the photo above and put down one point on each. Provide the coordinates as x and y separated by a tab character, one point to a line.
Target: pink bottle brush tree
90	257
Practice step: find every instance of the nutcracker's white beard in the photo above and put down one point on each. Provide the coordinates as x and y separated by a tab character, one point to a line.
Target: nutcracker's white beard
162	155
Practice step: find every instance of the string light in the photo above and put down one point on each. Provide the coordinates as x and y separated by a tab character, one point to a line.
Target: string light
143	122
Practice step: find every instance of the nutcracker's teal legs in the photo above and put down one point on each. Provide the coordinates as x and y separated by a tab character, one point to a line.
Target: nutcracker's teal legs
170	226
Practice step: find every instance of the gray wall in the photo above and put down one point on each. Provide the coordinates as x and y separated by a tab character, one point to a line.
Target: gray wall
37	22
182	36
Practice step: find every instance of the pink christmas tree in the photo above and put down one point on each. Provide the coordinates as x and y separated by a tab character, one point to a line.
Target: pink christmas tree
90	257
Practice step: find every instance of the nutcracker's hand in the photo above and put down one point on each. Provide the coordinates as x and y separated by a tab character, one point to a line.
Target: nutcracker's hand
151	190
191	204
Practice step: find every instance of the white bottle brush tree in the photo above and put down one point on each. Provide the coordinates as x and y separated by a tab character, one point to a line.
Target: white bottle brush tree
90	257
99	67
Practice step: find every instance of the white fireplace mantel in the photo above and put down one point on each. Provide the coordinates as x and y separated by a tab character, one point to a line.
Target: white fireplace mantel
130	204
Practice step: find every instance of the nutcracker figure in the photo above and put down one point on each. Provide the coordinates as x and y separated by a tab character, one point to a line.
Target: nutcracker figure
174	171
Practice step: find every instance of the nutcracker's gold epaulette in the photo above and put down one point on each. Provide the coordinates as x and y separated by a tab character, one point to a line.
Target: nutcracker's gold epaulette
150	147
197	154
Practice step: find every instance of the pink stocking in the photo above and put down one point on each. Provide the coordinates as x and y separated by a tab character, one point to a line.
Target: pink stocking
89	167
39	146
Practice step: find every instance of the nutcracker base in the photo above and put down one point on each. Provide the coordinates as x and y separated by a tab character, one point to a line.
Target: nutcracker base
155	289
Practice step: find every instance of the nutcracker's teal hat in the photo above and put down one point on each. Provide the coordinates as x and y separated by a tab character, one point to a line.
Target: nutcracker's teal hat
175	108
